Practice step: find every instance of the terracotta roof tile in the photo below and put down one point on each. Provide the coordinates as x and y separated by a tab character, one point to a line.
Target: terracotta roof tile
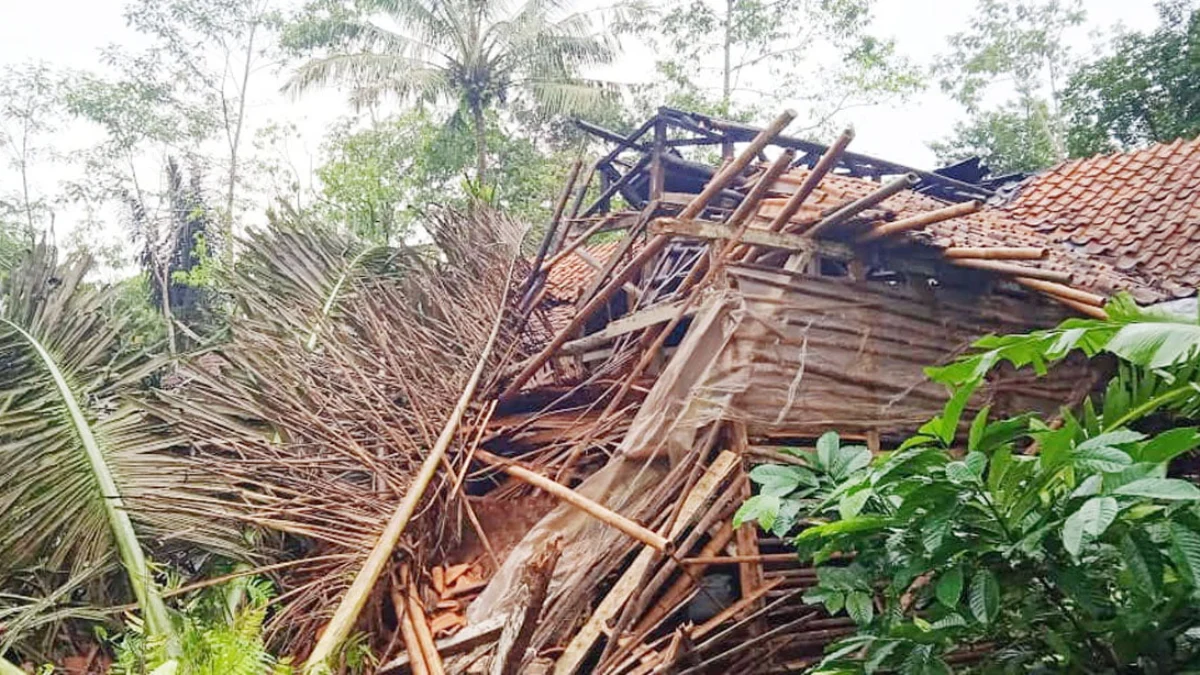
1139	211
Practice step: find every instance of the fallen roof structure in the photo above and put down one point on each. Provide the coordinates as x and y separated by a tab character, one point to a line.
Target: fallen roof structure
736	311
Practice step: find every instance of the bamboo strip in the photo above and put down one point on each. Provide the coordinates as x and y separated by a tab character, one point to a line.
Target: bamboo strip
1082	308
920	220
597	511
408	631
1015	270
1063	291
996	252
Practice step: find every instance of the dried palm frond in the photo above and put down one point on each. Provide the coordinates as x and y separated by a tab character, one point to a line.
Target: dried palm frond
87	474
344	362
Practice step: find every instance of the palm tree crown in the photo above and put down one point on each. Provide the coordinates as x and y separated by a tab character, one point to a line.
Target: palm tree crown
474	54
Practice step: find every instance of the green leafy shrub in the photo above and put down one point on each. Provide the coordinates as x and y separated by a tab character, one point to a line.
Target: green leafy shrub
1060	547
216	640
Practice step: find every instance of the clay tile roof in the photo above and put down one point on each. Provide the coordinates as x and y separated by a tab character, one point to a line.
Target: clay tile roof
1139	211
990	227
568	278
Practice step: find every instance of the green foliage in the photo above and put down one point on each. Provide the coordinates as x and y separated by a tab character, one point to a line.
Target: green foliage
30	112
1012	138
740	58
1020	44
1147	90
379	182
1079	557
215	640
473	55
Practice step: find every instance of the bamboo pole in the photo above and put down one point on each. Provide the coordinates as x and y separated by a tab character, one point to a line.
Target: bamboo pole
408	631
346	614
1081	307
433	660
859	205
729	559
652	248
1062	291
827	161
920	220
996	252
597	511
1013	269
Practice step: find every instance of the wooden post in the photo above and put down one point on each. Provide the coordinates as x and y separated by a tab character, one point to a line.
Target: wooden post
657	167
518	631
750	572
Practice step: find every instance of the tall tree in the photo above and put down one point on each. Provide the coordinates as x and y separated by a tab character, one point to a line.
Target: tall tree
1146	90
1012	48
213	49
739	57
473	54
30	108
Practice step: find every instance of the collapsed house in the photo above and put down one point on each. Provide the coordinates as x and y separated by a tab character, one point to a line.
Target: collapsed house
736	308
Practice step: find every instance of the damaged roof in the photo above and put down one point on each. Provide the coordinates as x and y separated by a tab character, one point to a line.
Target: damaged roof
1138	211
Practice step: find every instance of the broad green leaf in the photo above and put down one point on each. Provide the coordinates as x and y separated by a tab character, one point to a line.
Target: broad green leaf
1140	568
976	462
949	621
785	520
1160	488
851	504
779	480
859	524
761	508
1101	459
848	459
1186	543
878	654
978	425
1169	445
949	587
859	607
1093	518
984	597
1156	344
959	472
827	447
1090	486
1110	439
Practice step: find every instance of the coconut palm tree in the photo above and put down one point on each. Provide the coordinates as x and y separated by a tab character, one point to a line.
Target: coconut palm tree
475	54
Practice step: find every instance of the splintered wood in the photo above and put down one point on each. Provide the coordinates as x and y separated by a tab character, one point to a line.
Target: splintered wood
746	309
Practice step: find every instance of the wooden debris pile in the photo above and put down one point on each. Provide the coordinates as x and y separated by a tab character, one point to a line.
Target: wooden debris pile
746	307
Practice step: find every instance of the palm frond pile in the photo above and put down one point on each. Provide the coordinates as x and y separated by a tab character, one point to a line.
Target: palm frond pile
344	362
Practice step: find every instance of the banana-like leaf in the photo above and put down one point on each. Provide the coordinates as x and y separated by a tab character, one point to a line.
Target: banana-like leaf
85	470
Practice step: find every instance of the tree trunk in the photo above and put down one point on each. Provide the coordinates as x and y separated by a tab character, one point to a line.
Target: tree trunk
234	143
480	144
727	81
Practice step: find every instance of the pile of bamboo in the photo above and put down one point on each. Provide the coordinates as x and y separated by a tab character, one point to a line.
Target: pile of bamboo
635	568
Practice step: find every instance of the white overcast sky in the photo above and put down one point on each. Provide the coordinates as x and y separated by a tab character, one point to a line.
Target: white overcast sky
69	33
